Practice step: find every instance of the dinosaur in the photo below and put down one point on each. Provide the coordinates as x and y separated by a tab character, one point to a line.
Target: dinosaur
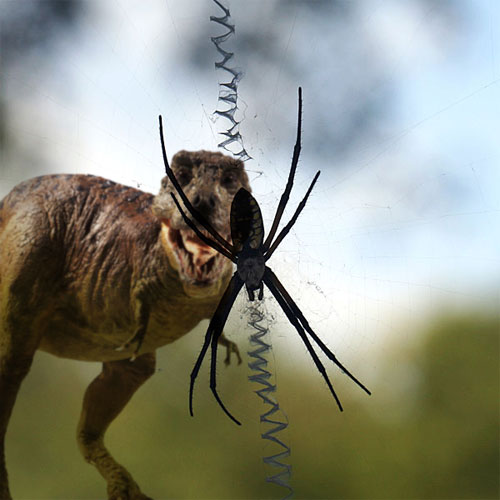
94	270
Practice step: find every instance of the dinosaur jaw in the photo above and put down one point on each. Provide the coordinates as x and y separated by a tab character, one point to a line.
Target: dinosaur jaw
199	265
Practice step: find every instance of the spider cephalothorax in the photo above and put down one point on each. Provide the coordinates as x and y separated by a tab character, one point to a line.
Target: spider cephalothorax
249	251
251	267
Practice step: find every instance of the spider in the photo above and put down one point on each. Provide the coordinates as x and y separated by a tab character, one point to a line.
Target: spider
249	251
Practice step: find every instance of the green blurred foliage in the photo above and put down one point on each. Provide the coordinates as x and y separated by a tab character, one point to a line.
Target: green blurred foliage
431	431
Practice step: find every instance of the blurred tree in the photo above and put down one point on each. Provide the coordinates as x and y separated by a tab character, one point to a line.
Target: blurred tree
338	48
31	25
438	439
434	436
458	415
26	27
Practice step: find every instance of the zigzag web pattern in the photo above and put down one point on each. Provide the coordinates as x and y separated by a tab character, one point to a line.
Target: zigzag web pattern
228	95
228	91
258	322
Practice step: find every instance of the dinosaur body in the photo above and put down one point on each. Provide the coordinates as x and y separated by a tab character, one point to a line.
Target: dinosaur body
88	267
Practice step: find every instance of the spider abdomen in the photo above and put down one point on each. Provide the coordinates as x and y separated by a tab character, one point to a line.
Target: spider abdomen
247	227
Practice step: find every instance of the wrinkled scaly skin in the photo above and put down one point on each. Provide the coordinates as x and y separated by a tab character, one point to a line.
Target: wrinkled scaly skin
85	264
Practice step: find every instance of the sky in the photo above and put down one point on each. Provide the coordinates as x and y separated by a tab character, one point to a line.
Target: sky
401	115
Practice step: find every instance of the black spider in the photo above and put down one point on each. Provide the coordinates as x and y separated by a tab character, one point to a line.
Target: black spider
250	252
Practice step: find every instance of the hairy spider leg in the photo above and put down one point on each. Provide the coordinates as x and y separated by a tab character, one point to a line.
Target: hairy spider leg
291	175
298	313
287	228
292	318
200	235
215	328
198	216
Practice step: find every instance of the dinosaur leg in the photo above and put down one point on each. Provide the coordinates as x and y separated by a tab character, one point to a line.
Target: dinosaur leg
104	399
231	347
16	354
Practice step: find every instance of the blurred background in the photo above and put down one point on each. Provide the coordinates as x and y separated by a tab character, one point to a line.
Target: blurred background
394	261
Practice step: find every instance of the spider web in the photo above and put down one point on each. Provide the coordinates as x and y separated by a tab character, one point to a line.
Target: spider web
401	110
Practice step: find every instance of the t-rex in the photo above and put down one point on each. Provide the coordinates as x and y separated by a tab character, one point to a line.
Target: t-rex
98	271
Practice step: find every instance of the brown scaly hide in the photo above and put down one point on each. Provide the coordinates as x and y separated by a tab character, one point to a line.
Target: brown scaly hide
85	261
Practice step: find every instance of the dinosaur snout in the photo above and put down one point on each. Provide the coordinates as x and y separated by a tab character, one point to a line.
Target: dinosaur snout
205	203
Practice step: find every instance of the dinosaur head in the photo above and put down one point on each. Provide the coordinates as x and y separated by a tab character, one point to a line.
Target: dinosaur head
210	181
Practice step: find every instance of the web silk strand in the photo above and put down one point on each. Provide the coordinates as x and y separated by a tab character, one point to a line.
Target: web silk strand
227	107
257	321
228	90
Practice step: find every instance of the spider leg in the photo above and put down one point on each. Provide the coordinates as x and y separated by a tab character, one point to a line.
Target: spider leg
214	330
251	294
200	235
289	183
293	319
298	313
213	373
195	213
261	291
287	228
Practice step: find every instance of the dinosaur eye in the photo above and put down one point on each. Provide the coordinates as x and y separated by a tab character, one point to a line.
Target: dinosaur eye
184	177
229	179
